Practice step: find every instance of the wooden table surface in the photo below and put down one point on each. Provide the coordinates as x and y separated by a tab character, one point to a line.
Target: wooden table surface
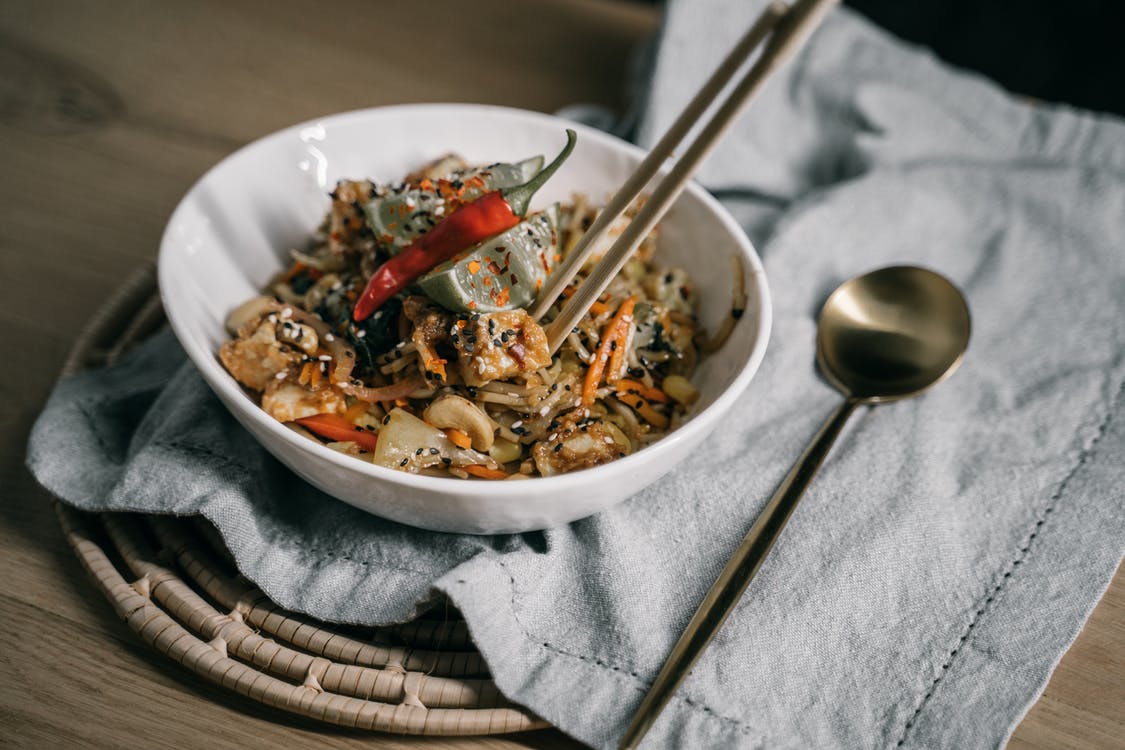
108	113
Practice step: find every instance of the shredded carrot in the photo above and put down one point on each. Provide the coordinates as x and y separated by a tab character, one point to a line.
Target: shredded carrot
401	402
314	377
306	373
615	330
482	471
617	366
335	428
644	409
597	307
652	394
473	266
458	438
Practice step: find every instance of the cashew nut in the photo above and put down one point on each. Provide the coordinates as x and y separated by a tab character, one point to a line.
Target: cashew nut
461	413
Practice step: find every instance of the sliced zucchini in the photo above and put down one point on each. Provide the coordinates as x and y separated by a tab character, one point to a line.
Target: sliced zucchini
502	273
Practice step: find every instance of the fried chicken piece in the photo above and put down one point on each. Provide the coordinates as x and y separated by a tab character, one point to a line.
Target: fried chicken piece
431	334
286	401
257	356
499	345
578	443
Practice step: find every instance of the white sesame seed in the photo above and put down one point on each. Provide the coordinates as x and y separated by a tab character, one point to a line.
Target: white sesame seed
325	358
280	375
329	337
360	334
552	436
608	440
286	313
543	412
517	423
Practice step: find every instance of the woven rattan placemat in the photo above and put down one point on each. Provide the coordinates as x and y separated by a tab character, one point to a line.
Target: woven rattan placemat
172	581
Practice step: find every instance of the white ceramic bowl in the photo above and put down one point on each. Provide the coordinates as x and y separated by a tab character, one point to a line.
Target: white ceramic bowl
234	228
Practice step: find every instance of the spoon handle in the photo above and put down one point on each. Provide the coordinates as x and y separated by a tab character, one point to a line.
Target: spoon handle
724	594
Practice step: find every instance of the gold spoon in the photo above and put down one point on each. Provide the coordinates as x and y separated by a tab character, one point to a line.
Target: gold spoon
886	335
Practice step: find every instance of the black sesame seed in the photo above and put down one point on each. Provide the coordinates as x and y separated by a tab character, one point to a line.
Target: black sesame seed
418	452
446	460
558	447
434	451
386	419
403	462
736	312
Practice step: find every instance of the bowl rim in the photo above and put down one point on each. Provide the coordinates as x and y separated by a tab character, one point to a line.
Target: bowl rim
231	393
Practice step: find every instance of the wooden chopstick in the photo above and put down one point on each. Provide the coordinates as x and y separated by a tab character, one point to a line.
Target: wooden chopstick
789	26
649	166
791	31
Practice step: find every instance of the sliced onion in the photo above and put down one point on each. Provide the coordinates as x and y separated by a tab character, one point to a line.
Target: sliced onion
390	392
737	307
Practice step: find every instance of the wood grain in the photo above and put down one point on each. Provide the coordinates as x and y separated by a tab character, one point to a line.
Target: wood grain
108	112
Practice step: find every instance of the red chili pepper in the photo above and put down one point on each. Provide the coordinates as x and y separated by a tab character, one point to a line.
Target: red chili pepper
471	223
338	429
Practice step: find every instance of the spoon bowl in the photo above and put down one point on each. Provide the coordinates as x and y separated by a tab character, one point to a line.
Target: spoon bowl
892	333
883	336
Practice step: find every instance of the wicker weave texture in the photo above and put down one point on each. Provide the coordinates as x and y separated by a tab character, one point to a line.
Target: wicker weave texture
173	584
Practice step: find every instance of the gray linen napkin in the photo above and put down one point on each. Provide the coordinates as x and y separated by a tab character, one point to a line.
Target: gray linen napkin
949	551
